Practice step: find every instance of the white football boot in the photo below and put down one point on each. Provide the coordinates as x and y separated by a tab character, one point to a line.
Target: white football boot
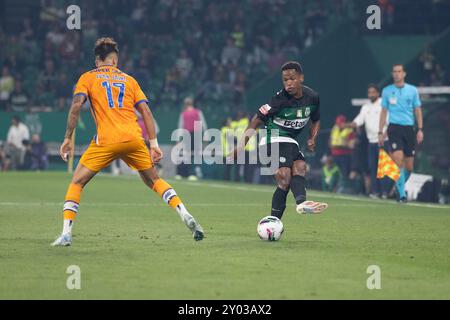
64	240
195	227
311	207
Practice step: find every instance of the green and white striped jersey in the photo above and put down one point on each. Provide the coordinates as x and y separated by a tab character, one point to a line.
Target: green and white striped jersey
290	115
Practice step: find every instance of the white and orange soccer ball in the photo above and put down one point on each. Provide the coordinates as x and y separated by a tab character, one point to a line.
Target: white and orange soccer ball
270	228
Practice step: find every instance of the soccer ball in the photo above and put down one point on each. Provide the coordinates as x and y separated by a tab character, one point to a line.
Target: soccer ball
270	228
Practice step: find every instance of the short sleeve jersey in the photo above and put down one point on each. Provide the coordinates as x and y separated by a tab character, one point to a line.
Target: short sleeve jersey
401	102
113	96
290	115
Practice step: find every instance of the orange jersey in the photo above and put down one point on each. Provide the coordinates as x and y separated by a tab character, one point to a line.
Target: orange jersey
113	95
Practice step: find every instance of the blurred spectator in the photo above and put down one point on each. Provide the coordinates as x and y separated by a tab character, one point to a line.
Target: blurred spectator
54	37
239	89
184	64
230	52
69	49
341	143
359	178
315	21
48	76
28	156
4	158
6	86
214	35
387	12
238	36
17	133
33	122
18	100
61	104
309	39
172	84
427	60
138	14
368	117
192	120
244	171
62	87
276	59
440	72
39	153
330	175
228	143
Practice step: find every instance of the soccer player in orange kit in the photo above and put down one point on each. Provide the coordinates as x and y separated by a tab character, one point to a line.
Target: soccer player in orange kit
114	95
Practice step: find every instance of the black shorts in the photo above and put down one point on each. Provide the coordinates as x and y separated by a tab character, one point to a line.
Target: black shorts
288	153
402	138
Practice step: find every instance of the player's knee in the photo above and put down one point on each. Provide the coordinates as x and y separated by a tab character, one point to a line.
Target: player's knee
149	177
82	181
300	169
283	177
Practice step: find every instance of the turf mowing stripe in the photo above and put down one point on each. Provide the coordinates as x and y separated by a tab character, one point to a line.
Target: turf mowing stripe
126	204
313	193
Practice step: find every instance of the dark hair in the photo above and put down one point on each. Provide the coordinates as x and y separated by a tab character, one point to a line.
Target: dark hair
292	65
105	46
16	117
399	65
374	86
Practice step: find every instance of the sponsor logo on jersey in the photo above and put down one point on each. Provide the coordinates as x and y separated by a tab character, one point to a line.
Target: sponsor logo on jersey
293	124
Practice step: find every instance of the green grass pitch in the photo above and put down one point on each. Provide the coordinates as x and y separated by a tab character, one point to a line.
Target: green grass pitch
129	244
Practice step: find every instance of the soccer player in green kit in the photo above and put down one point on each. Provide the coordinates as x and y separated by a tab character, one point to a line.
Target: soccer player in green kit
289	111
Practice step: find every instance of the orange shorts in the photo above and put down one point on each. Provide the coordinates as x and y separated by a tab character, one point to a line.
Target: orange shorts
134	153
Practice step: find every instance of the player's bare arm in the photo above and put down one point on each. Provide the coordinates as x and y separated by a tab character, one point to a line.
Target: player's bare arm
149	124
419	117
313	132
66	147
383	117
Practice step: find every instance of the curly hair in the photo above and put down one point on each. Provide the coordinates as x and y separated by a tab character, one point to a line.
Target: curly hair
105	46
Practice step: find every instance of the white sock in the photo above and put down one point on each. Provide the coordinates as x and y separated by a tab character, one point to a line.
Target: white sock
182	212
67	226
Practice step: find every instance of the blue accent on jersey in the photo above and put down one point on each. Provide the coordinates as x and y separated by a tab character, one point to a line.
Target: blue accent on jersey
106	85
401	102
137	103
109	94
121	87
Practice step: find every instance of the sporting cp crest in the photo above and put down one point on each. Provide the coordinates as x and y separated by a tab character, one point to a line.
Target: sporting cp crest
307	112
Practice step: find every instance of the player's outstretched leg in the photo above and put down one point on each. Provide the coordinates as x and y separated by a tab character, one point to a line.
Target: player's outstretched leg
298	188
170	197
81	176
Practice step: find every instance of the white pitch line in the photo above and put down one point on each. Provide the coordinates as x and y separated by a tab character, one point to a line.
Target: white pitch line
318	195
